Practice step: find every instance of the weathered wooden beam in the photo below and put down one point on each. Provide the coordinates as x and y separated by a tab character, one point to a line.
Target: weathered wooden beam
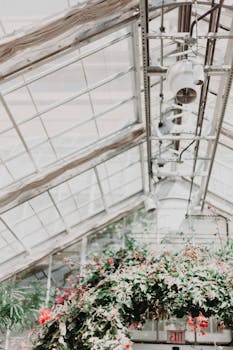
75	26
103	150
63	240
78	24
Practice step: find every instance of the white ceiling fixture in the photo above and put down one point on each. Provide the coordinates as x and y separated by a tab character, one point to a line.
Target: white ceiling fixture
183	79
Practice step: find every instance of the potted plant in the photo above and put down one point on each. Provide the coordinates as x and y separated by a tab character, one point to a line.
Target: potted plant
120	289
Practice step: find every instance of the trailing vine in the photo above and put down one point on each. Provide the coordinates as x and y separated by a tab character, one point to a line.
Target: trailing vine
120	289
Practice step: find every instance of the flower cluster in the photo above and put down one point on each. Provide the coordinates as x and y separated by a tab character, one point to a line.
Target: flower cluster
45	315
119	290
198	323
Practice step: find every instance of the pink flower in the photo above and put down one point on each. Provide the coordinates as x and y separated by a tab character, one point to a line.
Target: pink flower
68	293
111	261
60	299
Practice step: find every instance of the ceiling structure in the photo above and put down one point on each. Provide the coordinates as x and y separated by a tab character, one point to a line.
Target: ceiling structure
77	149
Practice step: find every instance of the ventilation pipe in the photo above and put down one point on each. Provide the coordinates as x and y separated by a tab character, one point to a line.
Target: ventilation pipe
183	79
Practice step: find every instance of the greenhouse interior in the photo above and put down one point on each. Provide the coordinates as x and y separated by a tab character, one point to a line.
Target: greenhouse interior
116	175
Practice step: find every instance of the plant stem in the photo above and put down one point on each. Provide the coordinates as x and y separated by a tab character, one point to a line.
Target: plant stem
7	338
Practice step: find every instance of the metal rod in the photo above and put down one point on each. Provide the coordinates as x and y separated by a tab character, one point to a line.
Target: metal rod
25	248
180	174
174	160
142	162
225	97
214	123
208	69
41	119
161	95
209	58
146	59
135	61
83	255
184	20
18	131
105	203
49	281
90	100
59	213
222	26
186	36
180	138
203	16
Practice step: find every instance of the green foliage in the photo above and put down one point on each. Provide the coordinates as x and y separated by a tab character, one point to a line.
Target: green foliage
226	253
18	304
121	288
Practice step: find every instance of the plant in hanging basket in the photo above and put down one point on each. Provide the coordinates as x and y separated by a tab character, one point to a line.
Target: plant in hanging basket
121	288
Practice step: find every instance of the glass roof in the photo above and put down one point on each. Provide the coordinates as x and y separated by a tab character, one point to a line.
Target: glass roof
75	101
70	203
74	104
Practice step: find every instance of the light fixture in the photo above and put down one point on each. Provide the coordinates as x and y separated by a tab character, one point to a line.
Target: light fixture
183	79
150	202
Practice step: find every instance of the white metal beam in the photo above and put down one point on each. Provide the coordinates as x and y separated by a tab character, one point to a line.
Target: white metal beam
182	137
135	61
186	36
218	116
209	70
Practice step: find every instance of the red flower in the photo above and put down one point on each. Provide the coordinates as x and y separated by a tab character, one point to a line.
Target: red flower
203	321
202	332
190	321
204	324
135	325
127	346
45	315
111	261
